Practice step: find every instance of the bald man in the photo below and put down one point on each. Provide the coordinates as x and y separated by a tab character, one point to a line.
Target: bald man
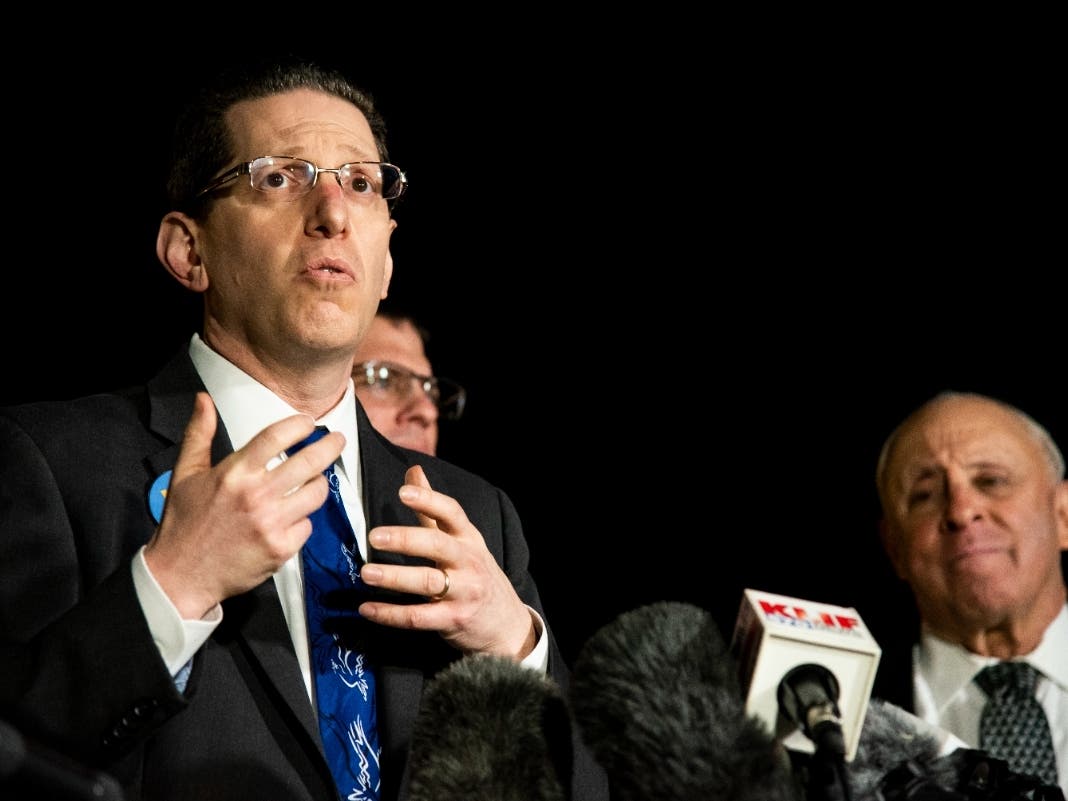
974	519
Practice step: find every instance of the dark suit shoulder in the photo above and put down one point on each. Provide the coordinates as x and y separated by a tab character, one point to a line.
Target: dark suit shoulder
893	679
113	419
89	425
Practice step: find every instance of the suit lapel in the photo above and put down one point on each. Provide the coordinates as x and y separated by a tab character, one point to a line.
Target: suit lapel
254	620
382	469
401	680
259	626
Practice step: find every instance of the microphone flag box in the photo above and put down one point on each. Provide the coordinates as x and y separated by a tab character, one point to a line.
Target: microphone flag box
775	633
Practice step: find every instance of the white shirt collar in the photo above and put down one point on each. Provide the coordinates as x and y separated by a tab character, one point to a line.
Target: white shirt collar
246	406
948	667
1048	657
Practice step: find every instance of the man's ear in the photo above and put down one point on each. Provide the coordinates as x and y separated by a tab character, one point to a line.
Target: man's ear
1060	509
176	248
387	274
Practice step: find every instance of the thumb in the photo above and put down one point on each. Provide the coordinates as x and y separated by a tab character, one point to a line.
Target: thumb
195	454
415	476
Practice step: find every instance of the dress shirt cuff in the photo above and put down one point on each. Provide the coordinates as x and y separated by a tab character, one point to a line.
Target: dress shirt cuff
538	659
176	639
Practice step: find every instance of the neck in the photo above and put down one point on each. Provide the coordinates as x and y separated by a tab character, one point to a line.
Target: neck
311	381
1004	634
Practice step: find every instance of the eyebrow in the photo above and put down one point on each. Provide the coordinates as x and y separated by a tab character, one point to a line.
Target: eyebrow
933	469
357	152
925	472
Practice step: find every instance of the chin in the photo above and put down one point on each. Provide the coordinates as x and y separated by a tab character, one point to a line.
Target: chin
982	570
416	443
983	601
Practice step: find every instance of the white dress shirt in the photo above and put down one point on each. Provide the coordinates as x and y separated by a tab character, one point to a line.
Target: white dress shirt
947	697
246	408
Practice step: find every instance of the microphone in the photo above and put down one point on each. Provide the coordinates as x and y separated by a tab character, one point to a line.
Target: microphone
488	727
891	737
808	696
904	758
656	697
31	771
806	669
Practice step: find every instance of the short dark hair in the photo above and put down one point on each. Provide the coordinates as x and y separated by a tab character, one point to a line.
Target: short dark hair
396	313
202	146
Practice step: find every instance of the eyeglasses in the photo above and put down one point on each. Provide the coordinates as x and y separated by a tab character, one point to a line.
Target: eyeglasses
288	178
401	384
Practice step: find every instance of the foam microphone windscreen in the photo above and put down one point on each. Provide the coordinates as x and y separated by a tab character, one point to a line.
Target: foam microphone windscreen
890	736
489	728
657	698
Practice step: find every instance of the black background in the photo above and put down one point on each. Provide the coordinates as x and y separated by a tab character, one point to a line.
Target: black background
690	274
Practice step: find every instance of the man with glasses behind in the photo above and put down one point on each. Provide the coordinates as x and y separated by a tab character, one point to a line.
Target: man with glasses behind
396	385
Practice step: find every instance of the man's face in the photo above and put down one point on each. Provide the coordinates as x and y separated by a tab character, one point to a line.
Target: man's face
409	418
295	280
975	518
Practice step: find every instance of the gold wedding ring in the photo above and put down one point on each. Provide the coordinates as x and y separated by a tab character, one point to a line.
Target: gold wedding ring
445	590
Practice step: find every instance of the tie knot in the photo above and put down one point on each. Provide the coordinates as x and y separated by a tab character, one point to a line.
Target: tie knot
1007	676
318	433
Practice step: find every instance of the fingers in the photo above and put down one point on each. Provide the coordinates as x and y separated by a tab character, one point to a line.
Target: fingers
435	509
195	453
469	600
447	584
442	524
437	538
433	582
227	527
290	471
445	537
269	447
416	476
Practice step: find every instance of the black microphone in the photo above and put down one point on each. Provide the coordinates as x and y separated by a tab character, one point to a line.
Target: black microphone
489	728
657	698
31	771
808	696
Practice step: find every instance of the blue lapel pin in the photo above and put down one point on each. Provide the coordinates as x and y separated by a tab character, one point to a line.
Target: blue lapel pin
157	495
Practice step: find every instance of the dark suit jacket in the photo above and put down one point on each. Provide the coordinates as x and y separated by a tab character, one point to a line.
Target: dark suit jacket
896	627
78	667
893	679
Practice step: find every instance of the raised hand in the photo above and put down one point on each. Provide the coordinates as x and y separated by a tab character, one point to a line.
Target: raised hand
226	528
479	610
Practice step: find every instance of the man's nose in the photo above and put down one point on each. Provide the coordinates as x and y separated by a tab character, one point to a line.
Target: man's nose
963	504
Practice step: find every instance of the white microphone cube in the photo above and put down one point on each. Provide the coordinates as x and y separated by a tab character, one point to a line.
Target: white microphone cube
776	633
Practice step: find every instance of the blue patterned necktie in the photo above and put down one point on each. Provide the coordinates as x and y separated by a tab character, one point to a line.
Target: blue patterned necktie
1013	726
344	681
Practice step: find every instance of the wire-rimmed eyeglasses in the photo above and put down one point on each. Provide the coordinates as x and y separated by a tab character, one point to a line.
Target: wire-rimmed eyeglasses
401	383
289	177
